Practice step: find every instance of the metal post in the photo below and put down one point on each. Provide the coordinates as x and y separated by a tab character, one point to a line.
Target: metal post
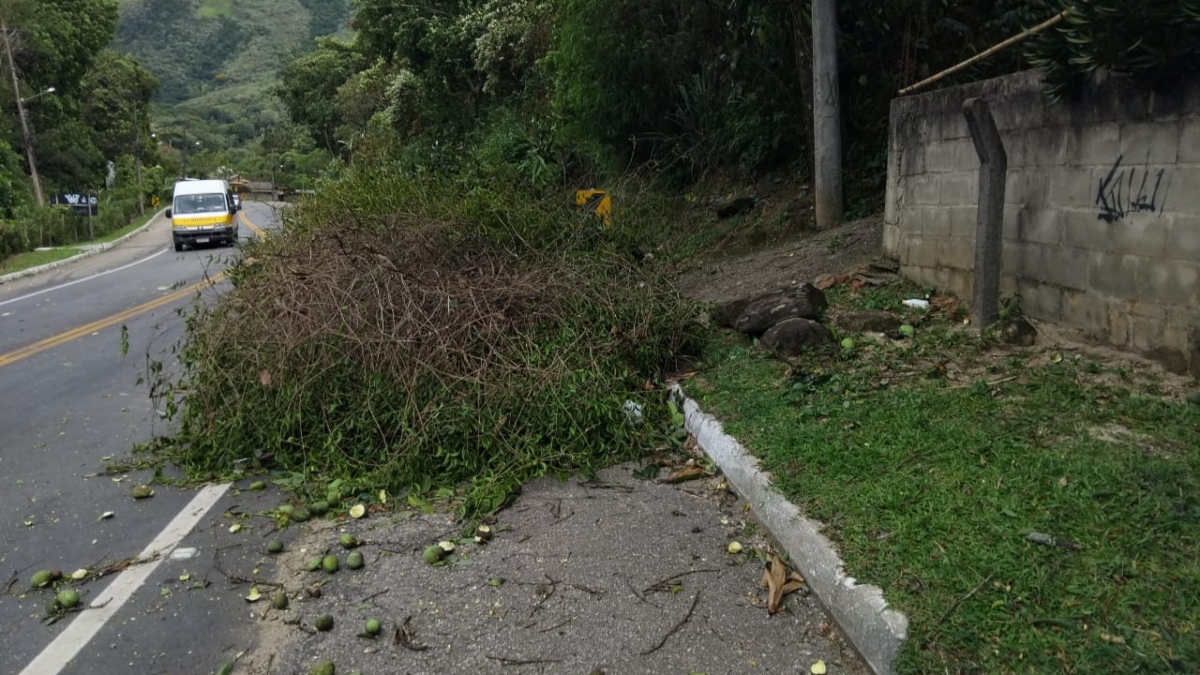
989	223
137	133
27	136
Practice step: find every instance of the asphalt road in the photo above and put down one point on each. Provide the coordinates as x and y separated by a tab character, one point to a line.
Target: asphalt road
69	405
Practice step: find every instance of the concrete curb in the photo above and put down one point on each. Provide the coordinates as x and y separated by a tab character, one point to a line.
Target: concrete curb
877	632
88	252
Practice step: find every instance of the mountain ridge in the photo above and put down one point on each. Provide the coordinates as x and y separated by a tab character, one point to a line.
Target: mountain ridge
217	59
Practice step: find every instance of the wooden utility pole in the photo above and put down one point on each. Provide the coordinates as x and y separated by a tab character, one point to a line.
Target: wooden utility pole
26	135
827	118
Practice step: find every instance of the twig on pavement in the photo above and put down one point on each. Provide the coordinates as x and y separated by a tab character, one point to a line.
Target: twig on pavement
676	627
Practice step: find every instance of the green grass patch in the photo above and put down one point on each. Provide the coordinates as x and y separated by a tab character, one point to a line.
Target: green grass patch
24	261
117	234
215	9
932	459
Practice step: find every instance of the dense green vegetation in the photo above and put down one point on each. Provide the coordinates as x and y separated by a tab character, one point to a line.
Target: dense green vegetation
217	61
97	113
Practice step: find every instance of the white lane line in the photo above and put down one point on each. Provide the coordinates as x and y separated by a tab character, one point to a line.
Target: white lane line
58	654
80	281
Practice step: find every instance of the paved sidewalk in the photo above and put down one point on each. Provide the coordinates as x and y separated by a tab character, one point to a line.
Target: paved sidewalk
616	575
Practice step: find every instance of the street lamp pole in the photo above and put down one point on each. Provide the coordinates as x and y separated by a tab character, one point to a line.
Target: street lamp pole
26	134
137	134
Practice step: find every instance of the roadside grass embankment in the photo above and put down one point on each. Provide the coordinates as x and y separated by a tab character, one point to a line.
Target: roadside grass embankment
936	463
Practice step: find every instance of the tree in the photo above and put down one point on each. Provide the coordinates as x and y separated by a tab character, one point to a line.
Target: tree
118	105
309	88
55	44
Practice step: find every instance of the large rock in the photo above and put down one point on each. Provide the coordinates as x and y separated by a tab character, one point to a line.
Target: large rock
726	314
795	336
1020	333
867	322
804	302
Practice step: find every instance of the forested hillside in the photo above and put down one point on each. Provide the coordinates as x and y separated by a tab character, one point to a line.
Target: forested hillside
217	59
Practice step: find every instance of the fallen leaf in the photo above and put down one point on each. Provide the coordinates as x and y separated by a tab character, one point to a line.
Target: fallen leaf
818	668
774	576
264	378
779	582
685	474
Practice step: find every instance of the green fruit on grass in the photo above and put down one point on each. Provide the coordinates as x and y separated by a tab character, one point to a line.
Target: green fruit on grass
330	563
314	563
354	561
433	554
68	599
41	579
279	600
258	485
374	627
285	509
299	515
274	546
907	330
322	668
847	343
319	508
348	540
323	623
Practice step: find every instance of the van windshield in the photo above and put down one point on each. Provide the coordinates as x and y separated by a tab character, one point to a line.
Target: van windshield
209	203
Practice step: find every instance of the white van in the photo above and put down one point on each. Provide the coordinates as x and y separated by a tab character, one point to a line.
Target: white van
202	212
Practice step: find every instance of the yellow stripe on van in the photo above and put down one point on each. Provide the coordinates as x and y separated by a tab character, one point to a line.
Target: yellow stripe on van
190	221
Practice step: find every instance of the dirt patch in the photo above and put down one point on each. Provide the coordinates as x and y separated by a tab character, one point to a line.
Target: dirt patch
721	277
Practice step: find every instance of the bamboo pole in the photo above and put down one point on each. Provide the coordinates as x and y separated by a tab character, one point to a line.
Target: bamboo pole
988	52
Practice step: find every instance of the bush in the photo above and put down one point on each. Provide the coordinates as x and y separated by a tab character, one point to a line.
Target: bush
1155	41
402	334
13	240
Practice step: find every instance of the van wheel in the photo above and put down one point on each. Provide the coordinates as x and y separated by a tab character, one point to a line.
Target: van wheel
178	247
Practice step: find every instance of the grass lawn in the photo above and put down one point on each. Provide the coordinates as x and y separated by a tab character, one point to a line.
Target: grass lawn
932	459
23	261
117	234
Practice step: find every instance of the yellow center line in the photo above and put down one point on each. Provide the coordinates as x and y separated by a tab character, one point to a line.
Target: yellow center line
258	231
75	333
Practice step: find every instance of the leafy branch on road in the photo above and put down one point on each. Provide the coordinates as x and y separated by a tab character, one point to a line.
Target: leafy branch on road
403	336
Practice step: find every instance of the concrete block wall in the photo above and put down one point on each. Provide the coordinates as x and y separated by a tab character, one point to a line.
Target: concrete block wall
1102	206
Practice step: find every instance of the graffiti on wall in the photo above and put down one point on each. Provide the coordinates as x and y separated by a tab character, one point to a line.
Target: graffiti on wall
1130	189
